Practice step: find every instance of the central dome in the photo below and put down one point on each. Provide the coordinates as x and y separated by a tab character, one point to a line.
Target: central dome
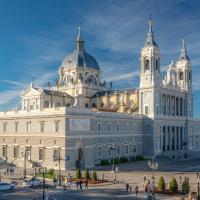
79	58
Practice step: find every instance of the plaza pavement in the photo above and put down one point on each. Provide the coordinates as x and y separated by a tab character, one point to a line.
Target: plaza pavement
131	173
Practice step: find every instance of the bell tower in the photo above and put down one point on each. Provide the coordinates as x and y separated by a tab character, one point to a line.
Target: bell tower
150	77
184	71
150	61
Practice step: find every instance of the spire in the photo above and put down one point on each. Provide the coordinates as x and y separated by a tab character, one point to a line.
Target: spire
150	37
79	41
183	54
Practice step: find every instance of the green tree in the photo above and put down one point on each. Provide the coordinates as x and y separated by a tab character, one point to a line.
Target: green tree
161	184
186	186
51	172
87	174
94	176
78	173
173	185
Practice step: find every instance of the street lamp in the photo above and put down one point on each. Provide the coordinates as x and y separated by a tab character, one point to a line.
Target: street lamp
113	149
198	182
153	165
58	158
43	182
25	156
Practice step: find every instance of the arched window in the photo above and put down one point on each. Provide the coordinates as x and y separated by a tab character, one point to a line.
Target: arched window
190	76
46	104
86	105
69	79
146	63
91	79
68	104
180	75
157	63
94	105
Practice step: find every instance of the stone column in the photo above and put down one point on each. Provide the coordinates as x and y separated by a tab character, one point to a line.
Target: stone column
175	147
170	139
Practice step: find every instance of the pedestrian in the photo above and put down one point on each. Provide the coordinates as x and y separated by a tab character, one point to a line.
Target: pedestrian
7	170
81	185
136	190
127	187
77	184
54	182
130	188
145	178
86	185
146	190
102	177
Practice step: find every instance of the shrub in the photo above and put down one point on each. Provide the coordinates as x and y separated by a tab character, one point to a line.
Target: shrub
104	162
116	160
186	186
139	157
161	184
173	185
94	176
124	159
78	173
87	174
51	172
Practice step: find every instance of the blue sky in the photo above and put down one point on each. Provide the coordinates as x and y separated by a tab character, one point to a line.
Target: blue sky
36	35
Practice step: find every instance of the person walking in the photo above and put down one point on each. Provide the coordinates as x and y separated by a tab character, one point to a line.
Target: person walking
130	188
54	183
136	190
86	185
77	185
81	188
127	187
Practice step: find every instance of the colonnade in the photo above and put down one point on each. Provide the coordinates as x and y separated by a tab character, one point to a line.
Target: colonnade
172	105
173	138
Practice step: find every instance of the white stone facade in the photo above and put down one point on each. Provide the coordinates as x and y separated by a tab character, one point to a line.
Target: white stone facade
81	118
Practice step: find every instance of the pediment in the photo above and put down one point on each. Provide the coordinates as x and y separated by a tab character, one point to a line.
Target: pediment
31	92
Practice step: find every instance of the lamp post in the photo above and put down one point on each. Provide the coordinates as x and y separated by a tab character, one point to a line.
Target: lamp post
43	184
153	165
25	156
198	182
58	158
43	181
113	149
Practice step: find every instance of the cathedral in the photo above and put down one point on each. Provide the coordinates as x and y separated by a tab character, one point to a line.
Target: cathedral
82	120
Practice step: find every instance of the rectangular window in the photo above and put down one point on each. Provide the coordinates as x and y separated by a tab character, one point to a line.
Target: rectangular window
99	152
118	127
16	152
41	154
146	110
109	151
41	127
56	126
56	154
16	127
4	151
134	149
118	150
109	127
126	149
99	127
126	127
4	127
28	126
